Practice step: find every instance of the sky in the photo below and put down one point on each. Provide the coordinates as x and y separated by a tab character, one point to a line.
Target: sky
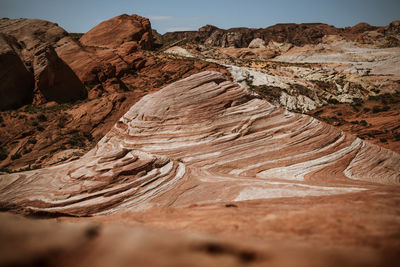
176	15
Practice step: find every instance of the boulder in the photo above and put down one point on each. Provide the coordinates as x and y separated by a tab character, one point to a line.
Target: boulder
118	30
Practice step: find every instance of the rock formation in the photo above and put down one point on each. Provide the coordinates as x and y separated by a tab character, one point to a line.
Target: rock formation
185	145
54	79
34	42
121	30
16	81
257	43
295	34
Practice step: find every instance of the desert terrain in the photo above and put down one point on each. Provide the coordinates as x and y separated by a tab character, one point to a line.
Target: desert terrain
218	147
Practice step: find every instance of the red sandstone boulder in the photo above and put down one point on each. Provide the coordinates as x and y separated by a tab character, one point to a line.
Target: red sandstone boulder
119	30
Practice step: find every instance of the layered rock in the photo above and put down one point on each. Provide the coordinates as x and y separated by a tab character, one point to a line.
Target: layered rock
54	79
295	34
34	42
16	81
203	140
120	30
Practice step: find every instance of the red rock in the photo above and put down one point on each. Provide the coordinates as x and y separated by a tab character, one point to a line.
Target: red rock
54	79
119	30
16	82
205	140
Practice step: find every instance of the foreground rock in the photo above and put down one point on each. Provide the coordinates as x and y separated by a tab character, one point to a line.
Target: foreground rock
184	145
55	80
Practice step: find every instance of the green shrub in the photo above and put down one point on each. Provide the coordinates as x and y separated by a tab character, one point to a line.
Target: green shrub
383	140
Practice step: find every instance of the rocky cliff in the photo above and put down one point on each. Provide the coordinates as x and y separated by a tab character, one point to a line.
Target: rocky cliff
295	34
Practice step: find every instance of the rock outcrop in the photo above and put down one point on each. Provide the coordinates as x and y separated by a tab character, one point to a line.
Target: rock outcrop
203	140
257	43
16	82
121	30
295	34
34	42
54	79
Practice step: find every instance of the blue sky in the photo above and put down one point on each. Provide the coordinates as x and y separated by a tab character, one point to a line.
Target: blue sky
173	15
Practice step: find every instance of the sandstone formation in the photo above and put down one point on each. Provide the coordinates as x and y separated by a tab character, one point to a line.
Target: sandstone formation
121	30
34	42
16	81
295	34
257	43
54	79
184	145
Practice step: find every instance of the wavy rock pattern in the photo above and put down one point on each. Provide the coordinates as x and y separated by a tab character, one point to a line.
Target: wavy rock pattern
203	139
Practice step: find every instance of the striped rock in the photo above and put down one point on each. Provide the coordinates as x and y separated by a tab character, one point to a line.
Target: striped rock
200	140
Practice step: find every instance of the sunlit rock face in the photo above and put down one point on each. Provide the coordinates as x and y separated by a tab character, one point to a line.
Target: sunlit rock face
203	139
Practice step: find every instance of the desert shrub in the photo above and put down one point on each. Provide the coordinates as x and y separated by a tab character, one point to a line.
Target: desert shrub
383	140
42	117
16	156
27	150
357	101
88	136
367	109
363	123
333	101
376	109
76	140
355	122
62	121
35	123
396	136
339	113
40	128
385	108
3	153
32	140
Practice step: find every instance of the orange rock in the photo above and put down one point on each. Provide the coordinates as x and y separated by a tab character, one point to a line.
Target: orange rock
121	29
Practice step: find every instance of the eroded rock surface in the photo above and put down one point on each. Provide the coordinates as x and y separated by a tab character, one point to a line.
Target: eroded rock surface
203	140
123	29
34	42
